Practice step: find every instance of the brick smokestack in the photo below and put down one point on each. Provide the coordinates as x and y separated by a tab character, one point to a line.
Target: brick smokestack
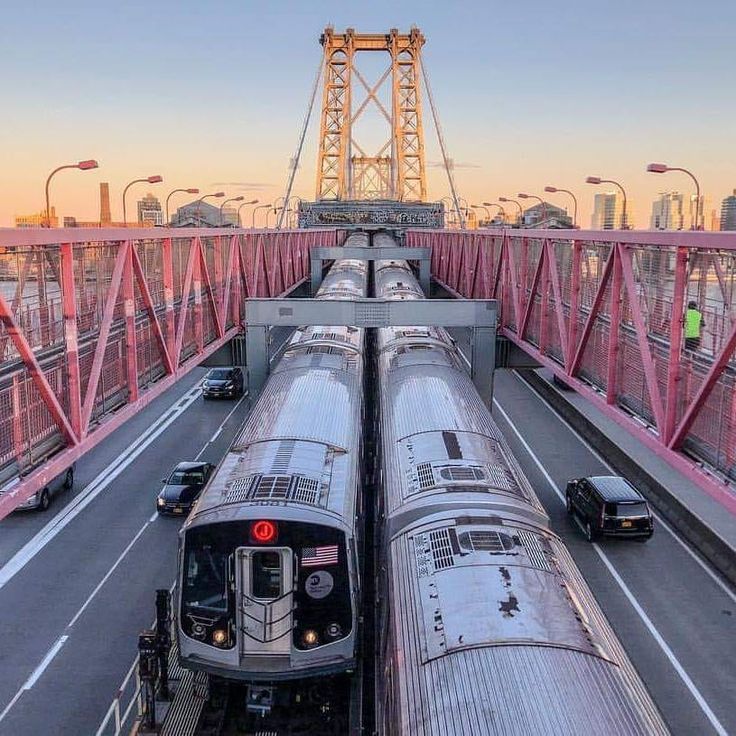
105	216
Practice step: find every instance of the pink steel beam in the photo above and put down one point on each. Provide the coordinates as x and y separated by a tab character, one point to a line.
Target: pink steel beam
105	326
39	379
584	312
167	319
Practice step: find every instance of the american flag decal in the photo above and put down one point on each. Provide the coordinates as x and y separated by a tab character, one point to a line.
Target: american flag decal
319	556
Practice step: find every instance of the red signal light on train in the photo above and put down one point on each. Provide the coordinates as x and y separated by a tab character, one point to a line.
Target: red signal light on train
263	531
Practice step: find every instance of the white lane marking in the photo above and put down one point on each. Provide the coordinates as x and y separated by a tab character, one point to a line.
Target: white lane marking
35	675
29	550
45	662
110	571
60	642
712	574
624	588
663	644
153	518
222	424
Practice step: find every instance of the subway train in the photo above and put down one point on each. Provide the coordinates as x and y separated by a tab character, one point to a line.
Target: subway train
268	587
485	624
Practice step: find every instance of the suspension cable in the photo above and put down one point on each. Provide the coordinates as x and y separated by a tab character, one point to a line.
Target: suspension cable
294	164
441	139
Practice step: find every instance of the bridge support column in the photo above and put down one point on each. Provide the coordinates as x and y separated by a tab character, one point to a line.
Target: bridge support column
256	351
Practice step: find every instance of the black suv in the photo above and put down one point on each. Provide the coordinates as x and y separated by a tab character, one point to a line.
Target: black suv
223	382
608	505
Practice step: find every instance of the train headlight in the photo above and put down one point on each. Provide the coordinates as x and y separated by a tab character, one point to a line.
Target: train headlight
219	637
310	638
334	630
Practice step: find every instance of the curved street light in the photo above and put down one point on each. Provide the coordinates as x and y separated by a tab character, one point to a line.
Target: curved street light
552	190
232	199
260	207
501	210
598	180
81	165
216	195
174	191
521	195
663	168
245	204
518	204
155	179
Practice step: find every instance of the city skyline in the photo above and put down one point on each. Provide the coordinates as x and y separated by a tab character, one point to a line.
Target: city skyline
71	96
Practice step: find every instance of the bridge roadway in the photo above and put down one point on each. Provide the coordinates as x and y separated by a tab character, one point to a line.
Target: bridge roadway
70	615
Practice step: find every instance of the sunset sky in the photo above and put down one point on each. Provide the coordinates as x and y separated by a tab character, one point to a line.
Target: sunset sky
212	95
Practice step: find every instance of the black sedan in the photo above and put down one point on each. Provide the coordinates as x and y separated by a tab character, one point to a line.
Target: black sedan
182	488
226	382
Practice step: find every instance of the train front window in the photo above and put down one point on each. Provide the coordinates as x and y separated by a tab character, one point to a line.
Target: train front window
205	578
267	575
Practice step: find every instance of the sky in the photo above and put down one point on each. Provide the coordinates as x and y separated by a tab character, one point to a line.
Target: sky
213	94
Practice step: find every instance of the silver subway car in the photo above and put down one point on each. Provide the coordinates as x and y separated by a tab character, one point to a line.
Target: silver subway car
269	586
486	625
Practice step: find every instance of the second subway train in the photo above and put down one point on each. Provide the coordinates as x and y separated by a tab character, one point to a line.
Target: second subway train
486	625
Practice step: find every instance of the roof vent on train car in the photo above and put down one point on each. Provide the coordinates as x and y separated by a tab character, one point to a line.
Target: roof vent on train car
425	475
297	488
532	543
486	540
462	473
440	542
282	457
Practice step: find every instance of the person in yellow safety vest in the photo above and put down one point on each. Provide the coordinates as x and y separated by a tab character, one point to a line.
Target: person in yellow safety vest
694	324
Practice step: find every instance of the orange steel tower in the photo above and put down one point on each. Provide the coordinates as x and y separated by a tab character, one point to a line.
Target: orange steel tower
399	175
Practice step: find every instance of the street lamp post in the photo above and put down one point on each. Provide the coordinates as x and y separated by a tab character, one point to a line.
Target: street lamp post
260	207
81	165
598	180
662	168
232	199
521	195
482	207
245	204
521	211
174	191
574	200
155	179
216	195
501	210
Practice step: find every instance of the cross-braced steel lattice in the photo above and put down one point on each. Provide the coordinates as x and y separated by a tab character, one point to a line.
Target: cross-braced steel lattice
605	311
397	170
94	324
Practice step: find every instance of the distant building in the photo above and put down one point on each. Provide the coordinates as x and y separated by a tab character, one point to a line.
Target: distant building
549	217
668	212
37	219
728	212
204	214
149	211
608	210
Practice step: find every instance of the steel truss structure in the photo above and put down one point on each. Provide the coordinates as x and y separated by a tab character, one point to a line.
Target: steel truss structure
95	324
397	170
560	292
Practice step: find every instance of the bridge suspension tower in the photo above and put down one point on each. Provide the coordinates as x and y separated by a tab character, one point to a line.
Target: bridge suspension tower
345	170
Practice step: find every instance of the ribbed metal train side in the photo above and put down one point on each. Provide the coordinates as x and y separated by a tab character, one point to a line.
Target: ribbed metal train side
486	624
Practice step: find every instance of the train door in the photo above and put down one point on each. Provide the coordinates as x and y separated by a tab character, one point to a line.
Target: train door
265	582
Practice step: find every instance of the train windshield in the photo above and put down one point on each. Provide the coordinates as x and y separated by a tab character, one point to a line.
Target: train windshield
204	584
